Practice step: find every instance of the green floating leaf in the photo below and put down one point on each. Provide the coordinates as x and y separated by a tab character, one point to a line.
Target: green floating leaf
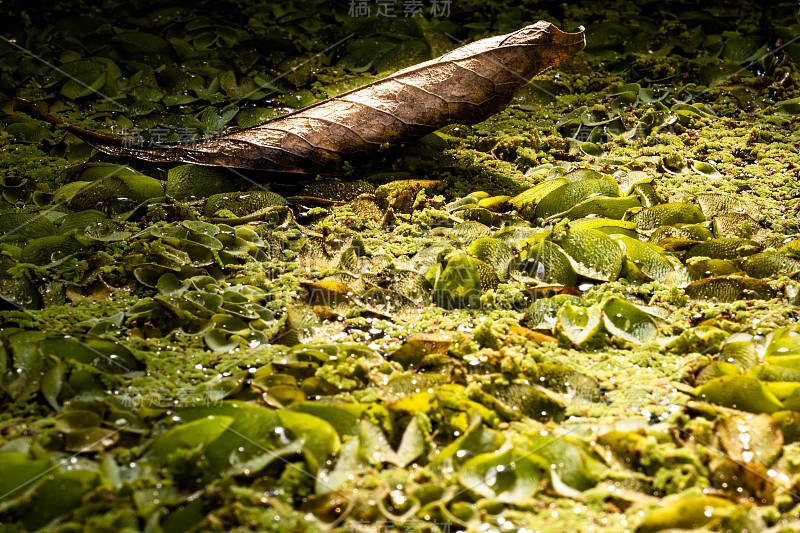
462	282
18	290
783	350
298	99
750	439
583	174
52	383
477	440
623	89
573	465
191	436
71	68
572	117
350	462
318	437
714	370
782	342
514	236
646	258
361	53
792	401
717	204
770	263
698	109
83	84
301	325
252	116
104	355
80	221
607	35
611	208
627	321
494	253
725	248
82	76
692	512
113	189
609	226
788	107
547	262
709	268
741	49
729	289
527	200
412	444
135	42
25	226
466	232
529	400
214	119
739	392
51	250
88	440
29	132
237	438
375	445
344	418
188	182
706	169
568	381
543	312
57	495
243	203
594	254
569	194
22	472
789	424
649	95
595	117
509	477
592	149
495	203
582	326
219	341
680	237
647	194
624	101
734	225
170	100
418	346
741	353
668	214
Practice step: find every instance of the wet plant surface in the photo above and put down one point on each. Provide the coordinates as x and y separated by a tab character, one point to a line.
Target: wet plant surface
580	314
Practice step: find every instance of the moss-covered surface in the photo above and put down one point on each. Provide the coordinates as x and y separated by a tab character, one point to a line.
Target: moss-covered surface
460	333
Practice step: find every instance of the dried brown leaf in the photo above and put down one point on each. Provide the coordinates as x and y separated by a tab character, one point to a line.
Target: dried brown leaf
466	86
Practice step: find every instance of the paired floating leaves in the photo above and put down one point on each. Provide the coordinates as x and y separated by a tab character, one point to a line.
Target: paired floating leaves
237	438
587	327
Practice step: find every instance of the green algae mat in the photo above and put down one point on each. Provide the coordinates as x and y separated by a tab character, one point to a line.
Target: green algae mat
578	315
